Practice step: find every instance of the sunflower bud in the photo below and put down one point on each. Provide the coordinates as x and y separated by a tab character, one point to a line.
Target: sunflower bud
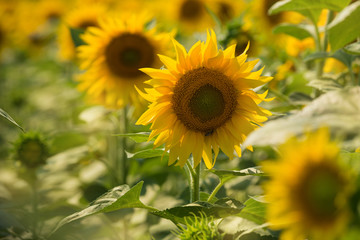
31	150
198	228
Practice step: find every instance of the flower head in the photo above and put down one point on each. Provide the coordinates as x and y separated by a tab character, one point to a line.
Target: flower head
113	55
198	228
31	150
81	17
309	189
202	101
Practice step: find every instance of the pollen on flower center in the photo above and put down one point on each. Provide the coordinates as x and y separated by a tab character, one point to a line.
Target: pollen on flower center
126	53
207	103
204	99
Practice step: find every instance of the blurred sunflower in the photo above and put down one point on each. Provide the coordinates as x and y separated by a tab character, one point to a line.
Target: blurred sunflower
82	17
188	15
227	10
114	52
202	101
308	189
265	22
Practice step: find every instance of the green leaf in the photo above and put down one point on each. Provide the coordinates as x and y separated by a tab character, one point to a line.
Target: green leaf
299	31
117	198
345	27
340	55
325	85
8	117
339	110
222	208
254	210
75	36
316	55
137	137
353	48
148	153
308	8
226	175
300	6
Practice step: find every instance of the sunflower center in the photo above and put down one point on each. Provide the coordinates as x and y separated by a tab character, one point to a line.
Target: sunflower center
318	193
225	11
204	99
191	10
207	103
128	52
273	19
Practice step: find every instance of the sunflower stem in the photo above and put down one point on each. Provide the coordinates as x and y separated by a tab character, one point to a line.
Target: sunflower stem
35	203
123	164
216	189
194	183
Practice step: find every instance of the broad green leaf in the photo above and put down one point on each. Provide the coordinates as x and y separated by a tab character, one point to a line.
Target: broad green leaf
345	27
353	48
137	137
148	153
300	6
339	110
325	85
308	8
75	36
316	55
8	117
299	31
220	209
254	210
340	55
226	175
117	198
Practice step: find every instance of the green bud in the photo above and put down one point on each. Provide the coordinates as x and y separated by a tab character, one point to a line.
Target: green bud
31	150
199	228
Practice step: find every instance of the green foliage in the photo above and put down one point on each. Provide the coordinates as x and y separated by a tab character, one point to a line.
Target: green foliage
339	110
76	36
117	198
299	31
220	209
138	137
8	117
254	210
226	175
353	48
345	28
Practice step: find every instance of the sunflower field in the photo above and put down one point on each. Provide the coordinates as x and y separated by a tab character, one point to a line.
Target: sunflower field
179	119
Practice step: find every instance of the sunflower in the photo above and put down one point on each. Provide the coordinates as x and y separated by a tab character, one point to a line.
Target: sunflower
114	52
226	10
188	15
265	23
202	101
81	17
308	189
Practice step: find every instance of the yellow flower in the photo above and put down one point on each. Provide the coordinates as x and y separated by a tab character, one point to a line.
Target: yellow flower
202	101
333	65
82	17
188	15
227	9
294	46
112	56
308	189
